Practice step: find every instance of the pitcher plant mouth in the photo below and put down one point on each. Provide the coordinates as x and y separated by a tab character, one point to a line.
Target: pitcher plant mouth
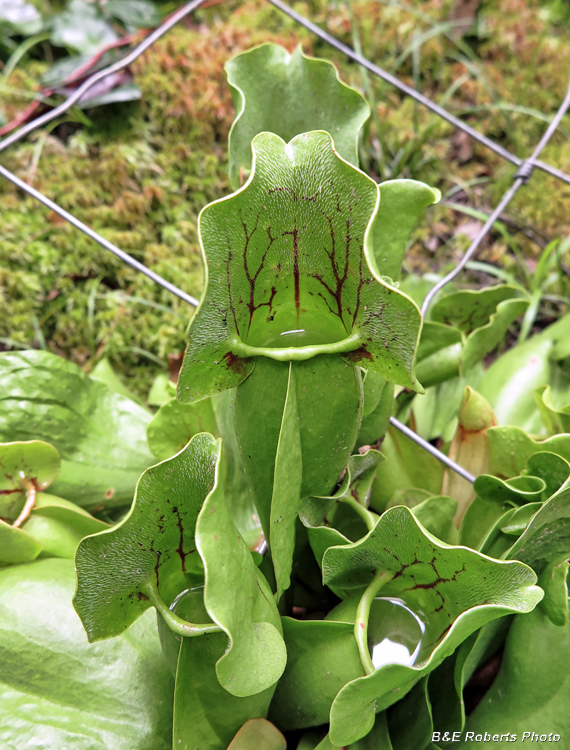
296	353
289	274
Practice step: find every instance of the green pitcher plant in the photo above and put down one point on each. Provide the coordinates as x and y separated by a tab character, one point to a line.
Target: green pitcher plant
319	580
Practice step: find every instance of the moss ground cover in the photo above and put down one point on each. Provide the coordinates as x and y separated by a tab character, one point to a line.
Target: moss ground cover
140	172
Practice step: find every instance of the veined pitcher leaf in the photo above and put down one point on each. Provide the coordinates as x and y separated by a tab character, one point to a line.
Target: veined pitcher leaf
99	434
238	598
401	203
56	690
288	94
453	591
153	547
288	273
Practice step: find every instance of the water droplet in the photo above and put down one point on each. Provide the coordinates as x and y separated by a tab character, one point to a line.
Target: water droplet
394	632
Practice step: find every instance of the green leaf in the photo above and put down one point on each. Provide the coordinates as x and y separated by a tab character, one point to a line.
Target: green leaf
57	691
326	525
260	734
321	657
494	511
16	545
236	485
546	540
59	525
555	603
532	690
456	591
481	517
377	739
517	490
435	414
26	468
288	274
288	94
296	424
140	14
99	434
153	547
82	27
483	315
128	92
511	447
240	601
401	203
555	420
407	465
172	427
206	716
439	353
377	409
509	383
287	483
445	688
161	390
410	721
436	515
174	424
104	373
20	17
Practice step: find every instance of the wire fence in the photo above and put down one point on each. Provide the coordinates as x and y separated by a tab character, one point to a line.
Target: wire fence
525	167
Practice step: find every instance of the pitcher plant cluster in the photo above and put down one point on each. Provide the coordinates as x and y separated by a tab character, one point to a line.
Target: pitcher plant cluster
317	577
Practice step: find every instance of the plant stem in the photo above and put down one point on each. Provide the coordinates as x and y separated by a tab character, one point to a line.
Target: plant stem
175	623
28	506
367	516
362	615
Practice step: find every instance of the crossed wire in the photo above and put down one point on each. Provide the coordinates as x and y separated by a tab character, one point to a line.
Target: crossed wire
525	168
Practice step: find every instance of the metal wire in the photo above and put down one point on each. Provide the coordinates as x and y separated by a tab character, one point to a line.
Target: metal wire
125	257
430	449
392	80
521	177
119	65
